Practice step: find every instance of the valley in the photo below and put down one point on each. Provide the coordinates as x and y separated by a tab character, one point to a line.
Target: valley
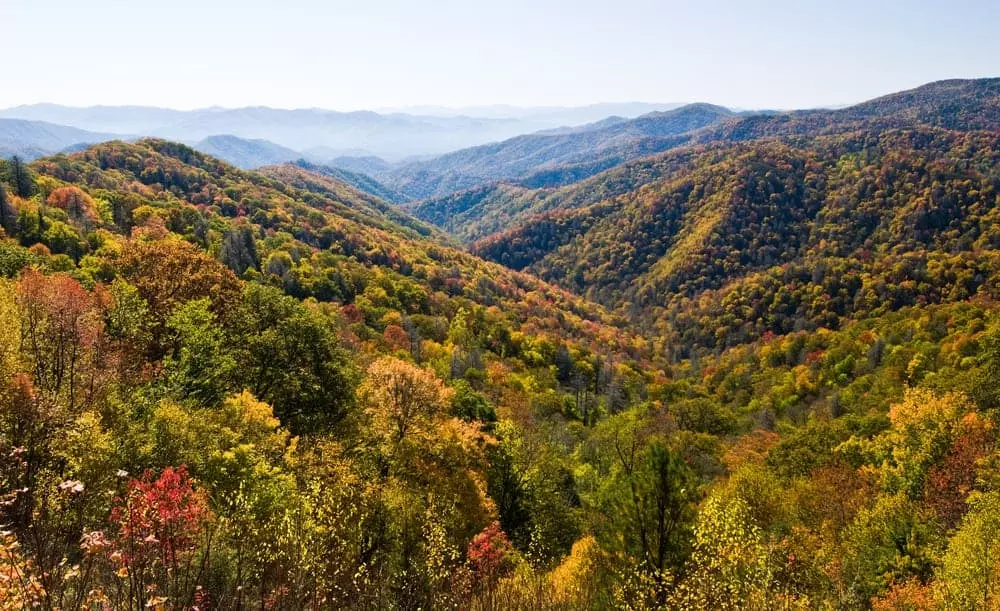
697	358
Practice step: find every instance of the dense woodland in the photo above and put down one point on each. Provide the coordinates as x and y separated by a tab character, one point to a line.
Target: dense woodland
770	236
747	373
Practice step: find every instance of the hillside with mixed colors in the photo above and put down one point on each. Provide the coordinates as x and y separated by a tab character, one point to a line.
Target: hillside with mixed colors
752	367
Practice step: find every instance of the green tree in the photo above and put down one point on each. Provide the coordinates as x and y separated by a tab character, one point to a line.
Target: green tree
471	405
969	576
19	176
889	543
290	356
985	390
729	567
8	214
199	368
662	491
646	493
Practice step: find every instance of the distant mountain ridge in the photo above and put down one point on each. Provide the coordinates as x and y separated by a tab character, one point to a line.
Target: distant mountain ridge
502	204
31	139
604	145
394	136
560	115
244	153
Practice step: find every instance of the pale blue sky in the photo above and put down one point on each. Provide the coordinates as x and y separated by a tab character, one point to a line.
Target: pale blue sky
353	54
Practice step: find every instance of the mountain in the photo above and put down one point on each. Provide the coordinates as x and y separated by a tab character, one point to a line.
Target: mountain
953	104
322	134
325	154
698	251
597	147
359	180
229	386
118	119
552	115
476	213
587	127
479	212
31	139
246	154
371	165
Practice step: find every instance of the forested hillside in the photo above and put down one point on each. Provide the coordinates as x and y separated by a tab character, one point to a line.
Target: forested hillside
498	207
359	179
502	202
222	378
757	371
824	284
771	236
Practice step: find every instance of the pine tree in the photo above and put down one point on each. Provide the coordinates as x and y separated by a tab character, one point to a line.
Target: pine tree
239	250
8	215
21	178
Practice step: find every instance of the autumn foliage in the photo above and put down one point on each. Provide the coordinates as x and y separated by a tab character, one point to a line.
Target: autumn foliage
788	399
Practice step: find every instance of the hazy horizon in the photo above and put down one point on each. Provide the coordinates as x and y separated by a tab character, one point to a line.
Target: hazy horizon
347	56
443	109
428	109
381	110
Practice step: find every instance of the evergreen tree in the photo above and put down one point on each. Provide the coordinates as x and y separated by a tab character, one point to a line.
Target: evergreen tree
20	177
239	250
8	215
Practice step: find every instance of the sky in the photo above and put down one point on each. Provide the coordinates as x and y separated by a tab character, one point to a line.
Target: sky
366	54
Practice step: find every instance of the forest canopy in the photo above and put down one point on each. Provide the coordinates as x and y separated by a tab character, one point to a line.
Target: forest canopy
758	371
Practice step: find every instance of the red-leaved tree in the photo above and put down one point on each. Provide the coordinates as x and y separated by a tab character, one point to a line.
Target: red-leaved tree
161	550
489	553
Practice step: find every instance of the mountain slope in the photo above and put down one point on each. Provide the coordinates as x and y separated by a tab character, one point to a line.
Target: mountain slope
246	154
953	104
369	165
31	139
496	207
356	179
254	154
600	147
313	235
702	253
476	213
